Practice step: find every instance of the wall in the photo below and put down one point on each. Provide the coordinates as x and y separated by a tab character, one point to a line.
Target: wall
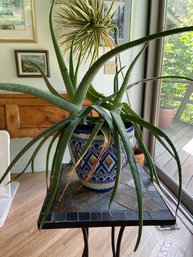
8	69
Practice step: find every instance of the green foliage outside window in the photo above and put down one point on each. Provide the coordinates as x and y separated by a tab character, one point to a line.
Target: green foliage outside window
178	57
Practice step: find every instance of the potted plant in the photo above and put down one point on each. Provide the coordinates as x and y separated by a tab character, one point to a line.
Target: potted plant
91	29
167	109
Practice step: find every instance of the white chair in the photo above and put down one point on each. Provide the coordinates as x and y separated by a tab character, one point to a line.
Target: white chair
7	192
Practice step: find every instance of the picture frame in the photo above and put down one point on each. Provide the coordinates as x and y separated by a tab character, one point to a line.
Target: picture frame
17	21
25	69
122	18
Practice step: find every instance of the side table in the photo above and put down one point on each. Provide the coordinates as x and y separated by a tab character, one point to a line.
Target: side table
85	209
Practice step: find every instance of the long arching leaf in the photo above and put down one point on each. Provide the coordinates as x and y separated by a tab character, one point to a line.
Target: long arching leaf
63	143
48	84
60	58
49	131
55	100
89	76
130	155
158	133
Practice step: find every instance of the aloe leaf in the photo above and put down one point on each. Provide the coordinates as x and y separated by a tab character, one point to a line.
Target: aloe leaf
147	155
49	131
158	133
63	143
127	76
89	76
158	78
35	152
130	111
55	137
93	95
150	162
83	114
74	74
117	143
55	100
107	139
148	159
48	84
116	81
130	155
85	150
77	68
60	58
32	158
71	66
89	141
103	114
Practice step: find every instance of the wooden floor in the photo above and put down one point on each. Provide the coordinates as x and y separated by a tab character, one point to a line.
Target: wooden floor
20	238
181	135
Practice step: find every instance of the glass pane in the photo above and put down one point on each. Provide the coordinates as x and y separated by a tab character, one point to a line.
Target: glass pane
176	100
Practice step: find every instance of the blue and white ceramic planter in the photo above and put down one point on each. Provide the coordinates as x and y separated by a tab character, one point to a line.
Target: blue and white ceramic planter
103	178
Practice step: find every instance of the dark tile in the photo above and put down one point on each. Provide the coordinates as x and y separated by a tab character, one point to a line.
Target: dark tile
48	218
167	215
96	216
132	215
72	216
107	216
155	215
119	215
84	216
146	216
58	217
160	204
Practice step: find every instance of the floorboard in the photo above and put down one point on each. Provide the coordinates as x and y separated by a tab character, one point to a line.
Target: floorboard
21	238
181	135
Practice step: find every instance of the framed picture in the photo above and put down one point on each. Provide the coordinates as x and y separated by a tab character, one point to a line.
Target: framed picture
17	22
121	19
25	68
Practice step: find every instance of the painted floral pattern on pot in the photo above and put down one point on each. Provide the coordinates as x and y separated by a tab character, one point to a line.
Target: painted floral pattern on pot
104	176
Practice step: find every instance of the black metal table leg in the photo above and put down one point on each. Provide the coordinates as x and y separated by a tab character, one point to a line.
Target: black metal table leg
113	240
116	252
85	233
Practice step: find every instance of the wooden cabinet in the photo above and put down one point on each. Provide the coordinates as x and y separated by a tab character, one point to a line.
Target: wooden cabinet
26	116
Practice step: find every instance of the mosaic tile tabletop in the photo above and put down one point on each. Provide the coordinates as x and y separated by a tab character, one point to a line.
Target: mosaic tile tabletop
82	208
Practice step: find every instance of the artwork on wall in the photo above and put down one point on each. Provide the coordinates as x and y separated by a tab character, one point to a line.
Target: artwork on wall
121	18
17	22
27	69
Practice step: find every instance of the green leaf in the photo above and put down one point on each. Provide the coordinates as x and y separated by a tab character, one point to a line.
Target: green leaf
48	84
89	76
62	65
158	78
62	145
117	143
127	76
55	137
159	133
49	131
130	155
55	100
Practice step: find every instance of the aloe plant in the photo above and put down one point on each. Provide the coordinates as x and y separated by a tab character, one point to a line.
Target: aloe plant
111	110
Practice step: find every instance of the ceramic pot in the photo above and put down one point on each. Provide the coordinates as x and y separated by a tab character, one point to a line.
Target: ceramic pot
139	156
166	116
103	178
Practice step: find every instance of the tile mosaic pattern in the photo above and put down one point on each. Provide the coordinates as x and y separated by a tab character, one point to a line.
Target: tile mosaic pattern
82	208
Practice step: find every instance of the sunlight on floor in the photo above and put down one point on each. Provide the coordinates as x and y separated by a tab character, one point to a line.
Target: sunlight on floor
189	147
